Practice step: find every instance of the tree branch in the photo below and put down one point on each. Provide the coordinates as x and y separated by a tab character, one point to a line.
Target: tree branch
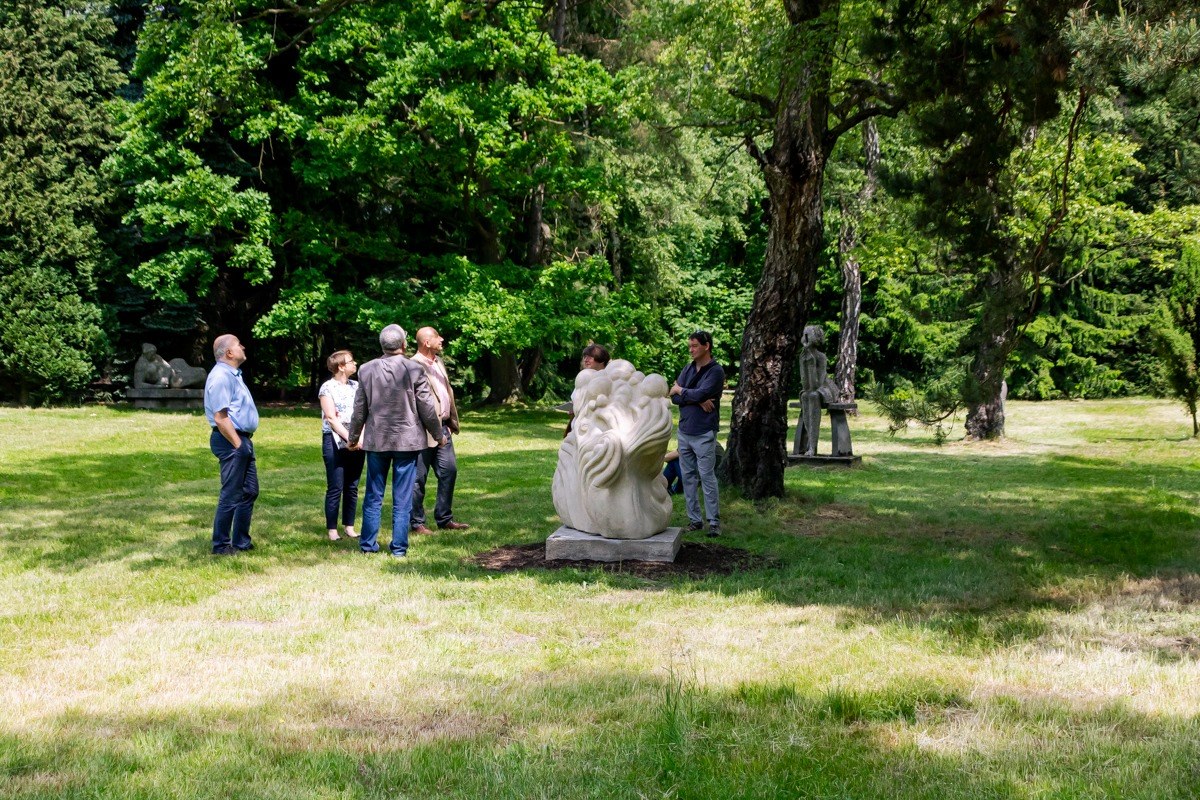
755	153
1064	193
862	115
762	101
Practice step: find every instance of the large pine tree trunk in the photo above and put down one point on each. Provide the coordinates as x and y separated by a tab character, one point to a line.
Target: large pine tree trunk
995	336
794	169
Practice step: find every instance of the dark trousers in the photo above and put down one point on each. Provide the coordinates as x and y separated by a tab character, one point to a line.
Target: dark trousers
674	477
343	468
445	467
239	490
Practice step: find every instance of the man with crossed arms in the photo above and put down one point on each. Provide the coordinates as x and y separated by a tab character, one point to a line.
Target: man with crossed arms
439	456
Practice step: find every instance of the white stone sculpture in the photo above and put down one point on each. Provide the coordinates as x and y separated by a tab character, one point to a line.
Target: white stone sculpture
609	477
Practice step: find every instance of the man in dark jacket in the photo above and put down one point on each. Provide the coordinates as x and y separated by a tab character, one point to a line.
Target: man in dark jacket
697	392
396	417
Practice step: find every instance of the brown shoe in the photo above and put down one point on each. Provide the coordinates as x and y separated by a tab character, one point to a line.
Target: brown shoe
422	530
454	526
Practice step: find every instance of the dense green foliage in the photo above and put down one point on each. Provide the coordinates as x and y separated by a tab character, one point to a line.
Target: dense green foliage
531	177
56	83
1178	333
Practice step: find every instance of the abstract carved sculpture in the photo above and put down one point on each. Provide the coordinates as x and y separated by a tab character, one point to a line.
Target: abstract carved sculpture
609	477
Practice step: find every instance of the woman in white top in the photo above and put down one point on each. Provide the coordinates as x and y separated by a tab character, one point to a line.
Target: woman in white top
343	465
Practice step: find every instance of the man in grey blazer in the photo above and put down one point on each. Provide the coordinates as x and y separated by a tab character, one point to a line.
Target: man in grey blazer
396	417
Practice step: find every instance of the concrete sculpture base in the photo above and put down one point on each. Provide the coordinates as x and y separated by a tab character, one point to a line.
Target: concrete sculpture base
165	398
572	545
824	461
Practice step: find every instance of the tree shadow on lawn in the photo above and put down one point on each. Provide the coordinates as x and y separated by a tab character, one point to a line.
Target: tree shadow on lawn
157	507
612	734
973	547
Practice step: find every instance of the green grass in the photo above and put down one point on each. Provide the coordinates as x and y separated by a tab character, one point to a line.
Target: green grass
1016	619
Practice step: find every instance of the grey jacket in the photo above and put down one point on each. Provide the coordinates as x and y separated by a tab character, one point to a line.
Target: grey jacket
395	406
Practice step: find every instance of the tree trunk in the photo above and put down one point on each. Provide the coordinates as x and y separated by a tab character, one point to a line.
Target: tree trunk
848	240
996	337
536	231
794	169
531	361
613	251
847	356
559	30
504	379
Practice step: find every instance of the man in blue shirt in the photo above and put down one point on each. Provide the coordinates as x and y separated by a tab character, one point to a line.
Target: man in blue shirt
697	392
234	418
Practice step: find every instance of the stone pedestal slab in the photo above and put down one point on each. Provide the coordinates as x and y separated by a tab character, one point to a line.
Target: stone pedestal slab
572	545
158	397
824	461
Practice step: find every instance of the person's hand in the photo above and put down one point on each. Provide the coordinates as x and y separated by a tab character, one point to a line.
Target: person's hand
707	406
353	446
676	389
445	440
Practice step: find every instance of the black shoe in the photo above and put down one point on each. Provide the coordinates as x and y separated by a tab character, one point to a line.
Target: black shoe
227	550
244	549
713	531
695	526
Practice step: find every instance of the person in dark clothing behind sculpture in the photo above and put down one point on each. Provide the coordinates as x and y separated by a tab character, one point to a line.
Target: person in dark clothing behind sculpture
697	392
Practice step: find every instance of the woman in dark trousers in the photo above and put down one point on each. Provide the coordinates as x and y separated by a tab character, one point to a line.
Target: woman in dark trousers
343	464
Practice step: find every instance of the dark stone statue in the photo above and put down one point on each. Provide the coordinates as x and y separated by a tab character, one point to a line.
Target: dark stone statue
152	371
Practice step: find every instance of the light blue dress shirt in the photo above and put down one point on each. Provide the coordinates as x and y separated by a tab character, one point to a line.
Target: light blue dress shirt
225	390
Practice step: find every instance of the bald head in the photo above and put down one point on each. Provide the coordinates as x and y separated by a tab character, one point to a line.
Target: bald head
429	343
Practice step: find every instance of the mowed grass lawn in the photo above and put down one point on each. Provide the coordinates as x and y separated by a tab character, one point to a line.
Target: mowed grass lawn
1018	619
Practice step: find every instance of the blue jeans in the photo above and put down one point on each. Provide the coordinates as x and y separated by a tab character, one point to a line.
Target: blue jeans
698	463
343	468
239	490
404	472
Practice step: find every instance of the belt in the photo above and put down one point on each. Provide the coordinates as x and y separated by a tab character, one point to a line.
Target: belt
247	434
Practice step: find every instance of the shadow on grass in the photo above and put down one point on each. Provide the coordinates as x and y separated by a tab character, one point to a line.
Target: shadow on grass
612	735
971	547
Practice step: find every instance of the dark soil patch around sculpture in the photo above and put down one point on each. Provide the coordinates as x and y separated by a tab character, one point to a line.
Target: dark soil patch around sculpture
695	560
